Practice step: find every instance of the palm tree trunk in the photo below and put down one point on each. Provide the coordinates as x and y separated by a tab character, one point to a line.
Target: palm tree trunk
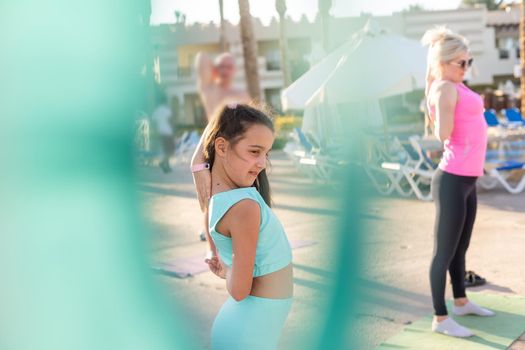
280	6
249	49
324	9
522	55
222	30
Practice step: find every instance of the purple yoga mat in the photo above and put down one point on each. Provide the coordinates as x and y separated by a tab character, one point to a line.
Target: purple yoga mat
191	266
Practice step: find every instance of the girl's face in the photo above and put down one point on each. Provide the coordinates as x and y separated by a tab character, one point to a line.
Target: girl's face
455	70
244	160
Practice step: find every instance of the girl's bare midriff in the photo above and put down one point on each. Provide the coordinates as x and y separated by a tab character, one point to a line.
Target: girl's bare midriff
275	285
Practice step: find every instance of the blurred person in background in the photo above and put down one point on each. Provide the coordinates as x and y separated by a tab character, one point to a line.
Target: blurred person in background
161	118
215	83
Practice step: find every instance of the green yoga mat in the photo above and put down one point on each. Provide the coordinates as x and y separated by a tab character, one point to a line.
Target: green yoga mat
496	332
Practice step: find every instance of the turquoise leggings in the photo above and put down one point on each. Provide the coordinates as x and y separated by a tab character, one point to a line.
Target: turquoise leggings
253	323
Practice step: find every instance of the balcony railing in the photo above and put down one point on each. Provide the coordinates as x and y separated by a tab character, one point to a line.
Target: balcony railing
184	72
185	75
273	65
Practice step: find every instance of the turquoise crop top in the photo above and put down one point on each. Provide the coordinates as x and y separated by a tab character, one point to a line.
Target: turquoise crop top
273	250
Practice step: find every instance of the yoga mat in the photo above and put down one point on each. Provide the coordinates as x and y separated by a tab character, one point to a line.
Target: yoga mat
191	266
496	332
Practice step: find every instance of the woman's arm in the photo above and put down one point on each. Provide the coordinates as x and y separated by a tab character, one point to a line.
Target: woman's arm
445	96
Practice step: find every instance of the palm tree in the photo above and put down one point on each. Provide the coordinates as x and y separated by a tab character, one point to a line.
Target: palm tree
324	9
522	55
249	49
280	6
222	30
490	4
180	18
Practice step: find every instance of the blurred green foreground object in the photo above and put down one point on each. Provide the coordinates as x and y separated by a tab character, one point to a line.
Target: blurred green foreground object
73	255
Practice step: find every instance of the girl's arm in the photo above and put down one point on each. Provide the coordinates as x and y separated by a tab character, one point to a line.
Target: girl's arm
212	249
201	179
243	222
446	97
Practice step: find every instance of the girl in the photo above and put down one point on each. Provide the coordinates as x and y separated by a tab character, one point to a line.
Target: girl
457	115
253	252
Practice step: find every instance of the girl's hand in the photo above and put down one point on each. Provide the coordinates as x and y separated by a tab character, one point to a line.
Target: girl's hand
202	181
210	254
217	266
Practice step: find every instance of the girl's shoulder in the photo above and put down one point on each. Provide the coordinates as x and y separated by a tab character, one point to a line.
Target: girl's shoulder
244	208
235	208
236	193
235	202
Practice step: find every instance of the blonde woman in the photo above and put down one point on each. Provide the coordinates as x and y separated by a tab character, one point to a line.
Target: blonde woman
456	113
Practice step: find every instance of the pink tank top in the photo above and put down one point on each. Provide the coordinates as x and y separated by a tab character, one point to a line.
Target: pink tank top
464	151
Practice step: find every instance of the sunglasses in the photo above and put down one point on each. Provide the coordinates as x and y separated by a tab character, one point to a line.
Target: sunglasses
464	63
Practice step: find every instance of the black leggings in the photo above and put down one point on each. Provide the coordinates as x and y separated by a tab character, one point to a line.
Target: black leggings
456	203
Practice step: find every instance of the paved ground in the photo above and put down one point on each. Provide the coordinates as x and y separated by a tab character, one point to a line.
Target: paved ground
397	249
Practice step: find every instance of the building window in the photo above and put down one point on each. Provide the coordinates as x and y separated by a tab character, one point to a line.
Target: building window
184	72
273	60
505	47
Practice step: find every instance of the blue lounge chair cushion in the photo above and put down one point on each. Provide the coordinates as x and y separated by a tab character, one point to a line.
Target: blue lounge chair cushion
511	165
514	115
491	118
303	140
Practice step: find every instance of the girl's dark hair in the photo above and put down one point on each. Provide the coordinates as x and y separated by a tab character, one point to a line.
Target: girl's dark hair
231	122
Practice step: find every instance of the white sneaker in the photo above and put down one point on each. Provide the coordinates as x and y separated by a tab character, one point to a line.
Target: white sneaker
471	309
450	327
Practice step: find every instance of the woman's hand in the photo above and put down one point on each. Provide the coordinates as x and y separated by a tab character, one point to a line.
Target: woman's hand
216	266
202	181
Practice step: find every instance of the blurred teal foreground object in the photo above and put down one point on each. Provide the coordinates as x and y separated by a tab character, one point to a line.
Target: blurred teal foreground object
74	270
497	332
340	314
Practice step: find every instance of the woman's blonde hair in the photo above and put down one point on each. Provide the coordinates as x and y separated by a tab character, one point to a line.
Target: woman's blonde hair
443	46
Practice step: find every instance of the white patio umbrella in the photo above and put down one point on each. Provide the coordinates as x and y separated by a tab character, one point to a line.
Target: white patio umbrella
378	64
385	61
300	91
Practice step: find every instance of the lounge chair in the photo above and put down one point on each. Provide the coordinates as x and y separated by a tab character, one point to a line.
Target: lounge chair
384	175
514	118
186	146
491	118
502	173
306	156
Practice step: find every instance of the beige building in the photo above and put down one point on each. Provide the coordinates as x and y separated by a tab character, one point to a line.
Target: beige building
493	36
176	47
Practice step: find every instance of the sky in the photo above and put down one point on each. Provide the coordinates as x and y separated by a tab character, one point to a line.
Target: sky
205	11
